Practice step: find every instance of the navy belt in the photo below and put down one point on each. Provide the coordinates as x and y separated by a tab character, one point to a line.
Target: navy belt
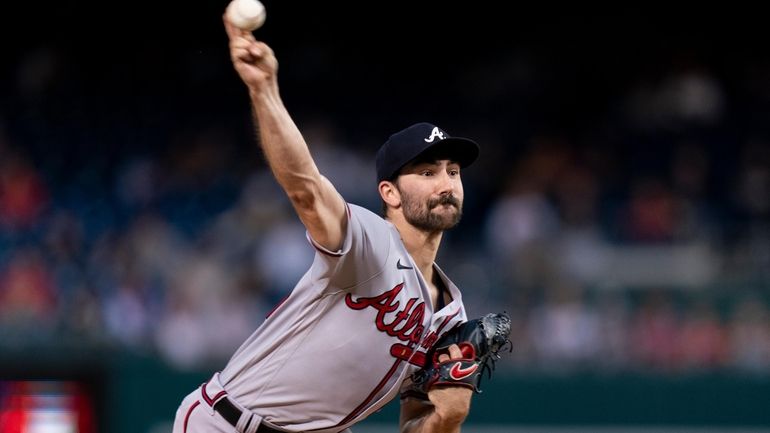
232	414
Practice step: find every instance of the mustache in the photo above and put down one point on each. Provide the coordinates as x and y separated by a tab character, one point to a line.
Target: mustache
444	199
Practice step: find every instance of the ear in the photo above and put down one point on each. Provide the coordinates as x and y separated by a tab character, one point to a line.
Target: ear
389	193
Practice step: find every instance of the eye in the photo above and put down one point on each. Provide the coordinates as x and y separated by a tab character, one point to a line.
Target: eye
426	173
454	172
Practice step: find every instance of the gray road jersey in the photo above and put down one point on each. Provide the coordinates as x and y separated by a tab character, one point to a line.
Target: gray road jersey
354	327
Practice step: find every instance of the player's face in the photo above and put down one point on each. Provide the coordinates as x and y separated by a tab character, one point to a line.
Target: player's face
431	194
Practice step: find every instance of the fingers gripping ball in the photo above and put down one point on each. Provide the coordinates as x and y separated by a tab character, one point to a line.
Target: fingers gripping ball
246	14
480	341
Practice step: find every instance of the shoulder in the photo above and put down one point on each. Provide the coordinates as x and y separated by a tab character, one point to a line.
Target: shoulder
366	218
362	212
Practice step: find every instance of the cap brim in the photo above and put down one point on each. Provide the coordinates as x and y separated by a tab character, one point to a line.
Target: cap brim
462	150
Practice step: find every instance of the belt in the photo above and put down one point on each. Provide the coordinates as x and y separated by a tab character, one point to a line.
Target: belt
232	414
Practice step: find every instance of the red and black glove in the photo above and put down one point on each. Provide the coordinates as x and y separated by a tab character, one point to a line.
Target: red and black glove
480	341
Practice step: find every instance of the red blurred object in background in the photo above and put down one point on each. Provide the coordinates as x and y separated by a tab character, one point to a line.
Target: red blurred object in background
45	407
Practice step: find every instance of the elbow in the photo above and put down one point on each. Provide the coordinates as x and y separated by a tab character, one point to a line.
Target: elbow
303	191
302	198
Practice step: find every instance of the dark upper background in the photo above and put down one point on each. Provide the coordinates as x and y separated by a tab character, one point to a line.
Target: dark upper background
122	78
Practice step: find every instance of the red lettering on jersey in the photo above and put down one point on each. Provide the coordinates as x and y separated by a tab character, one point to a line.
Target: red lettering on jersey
431	339
406	353
411	315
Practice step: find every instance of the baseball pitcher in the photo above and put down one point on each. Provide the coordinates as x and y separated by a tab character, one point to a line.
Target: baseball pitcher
360	326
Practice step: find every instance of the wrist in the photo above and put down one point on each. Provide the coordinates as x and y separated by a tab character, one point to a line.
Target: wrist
264	92
447	419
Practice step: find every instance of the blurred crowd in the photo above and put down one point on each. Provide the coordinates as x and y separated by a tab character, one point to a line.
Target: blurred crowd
638	243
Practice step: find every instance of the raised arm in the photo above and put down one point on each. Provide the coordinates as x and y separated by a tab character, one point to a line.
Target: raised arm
316	201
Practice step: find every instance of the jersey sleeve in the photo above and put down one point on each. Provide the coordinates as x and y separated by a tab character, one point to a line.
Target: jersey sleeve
363	253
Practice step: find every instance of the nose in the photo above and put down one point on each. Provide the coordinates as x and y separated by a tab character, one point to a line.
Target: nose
446	183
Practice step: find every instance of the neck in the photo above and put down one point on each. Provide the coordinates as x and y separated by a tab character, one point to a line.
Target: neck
421	245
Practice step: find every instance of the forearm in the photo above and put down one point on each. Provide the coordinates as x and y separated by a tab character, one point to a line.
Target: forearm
315	199
443	413
282	143
319	206
433	423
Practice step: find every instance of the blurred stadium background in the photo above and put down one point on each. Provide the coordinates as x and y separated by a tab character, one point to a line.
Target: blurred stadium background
620	209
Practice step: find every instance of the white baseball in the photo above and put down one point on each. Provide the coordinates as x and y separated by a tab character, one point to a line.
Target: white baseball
246	14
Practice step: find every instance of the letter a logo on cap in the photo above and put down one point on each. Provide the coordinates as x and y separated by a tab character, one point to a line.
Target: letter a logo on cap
433	134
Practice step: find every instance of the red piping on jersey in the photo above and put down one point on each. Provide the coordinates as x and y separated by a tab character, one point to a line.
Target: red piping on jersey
446	320
277	306
320	250
211	401
189	412
357	411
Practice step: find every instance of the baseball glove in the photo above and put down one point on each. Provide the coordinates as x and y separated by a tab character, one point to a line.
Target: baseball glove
480	341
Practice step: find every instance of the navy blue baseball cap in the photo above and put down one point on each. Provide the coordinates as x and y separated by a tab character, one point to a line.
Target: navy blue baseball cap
408	144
